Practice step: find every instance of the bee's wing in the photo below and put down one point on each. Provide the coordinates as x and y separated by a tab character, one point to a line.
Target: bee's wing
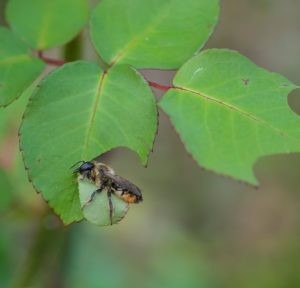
123	187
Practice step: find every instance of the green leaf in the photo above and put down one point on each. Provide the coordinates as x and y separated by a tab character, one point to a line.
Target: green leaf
80	112
45	24
97	211
152	33
18	68
11	116
229	112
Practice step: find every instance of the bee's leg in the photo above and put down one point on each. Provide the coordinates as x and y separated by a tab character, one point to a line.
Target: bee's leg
93	196
110	206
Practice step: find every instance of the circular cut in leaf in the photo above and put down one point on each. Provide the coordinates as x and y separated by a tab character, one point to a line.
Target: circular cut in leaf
18	69
78	113
229	112
152	33
47	23
97	210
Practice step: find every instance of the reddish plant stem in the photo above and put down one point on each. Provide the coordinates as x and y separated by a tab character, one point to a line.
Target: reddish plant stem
57	62
53	61
159	86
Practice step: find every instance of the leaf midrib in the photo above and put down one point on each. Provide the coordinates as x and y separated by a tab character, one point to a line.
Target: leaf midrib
93	115
41	37
15	59
133	42
240	111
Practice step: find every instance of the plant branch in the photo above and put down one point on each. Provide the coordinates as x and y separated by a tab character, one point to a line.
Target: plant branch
159	86
57	62
50	61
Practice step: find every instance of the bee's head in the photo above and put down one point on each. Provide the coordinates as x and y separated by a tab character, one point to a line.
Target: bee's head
84	167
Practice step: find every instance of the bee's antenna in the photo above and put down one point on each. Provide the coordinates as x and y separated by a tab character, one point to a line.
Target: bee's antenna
77	164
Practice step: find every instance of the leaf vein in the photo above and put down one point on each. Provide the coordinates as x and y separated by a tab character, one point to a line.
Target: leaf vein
240	111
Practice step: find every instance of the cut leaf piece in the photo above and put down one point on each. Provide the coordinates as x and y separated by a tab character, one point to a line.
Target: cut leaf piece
18	68
97	211
152	33
78	113
45	24
229	112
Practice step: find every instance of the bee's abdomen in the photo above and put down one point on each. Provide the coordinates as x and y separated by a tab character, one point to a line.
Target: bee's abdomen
128	196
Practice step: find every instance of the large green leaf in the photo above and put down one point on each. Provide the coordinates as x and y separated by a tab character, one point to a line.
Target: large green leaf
18	68
152	33
229	112
80	112
47	23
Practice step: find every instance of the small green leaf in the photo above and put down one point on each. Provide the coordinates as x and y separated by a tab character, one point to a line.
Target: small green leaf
229	112
97	211
18	68
47	23
78	113
152	33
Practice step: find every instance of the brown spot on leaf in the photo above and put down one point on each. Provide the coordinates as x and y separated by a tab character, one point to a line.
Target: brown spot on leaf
245	81
284	85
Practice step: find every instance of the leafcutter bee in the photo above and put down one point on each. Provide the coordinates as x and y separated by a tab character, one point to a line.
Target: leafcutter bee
105	179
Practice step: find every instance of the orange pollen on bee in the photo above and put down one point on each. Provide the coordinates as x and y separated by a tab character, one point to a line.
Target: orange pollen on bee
129	198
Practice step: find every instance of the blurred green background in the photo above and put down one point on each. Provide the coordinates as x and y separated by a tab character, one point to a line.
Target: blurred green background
194	228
